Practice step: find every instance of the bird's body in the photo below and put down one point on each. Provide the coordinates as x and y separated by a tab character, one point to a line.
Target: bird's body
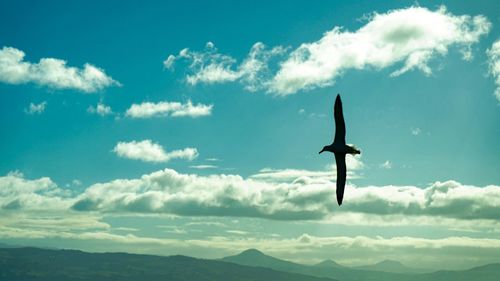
340	149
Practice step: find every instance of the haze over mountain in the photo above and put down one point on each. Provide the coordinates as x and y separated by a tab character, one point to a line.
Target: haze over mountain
392	266
384	271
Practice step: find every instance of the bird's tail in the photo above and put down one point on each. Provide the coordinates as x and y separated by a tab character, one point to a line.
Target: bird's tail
354	150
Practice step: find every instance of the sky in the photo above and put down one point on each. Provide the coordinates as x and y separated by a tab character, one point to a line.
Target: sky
194	128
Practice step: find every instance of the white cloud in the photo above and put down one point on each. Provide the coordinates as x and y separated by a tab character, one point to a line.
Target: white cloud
148	151
411	37
212	67
203	167
494	65
353	164
415	131
305	198
36	108
213	159
386	165
16	193
169	192
173	109
51	72
100	109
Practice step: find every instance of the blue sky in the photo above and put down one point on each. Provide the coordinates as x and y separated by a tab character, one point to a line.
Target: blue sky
424	114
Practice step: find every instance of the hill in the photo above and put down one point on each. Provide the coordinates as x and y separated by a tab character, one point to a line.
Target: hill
33	264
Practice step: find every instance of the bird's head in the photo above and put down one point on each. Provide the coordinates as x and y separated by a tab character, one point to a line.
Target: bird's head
324	149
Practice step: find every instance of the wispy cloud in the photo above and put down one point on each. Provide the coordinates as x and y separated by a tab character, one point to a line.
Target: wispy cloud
173	109
494	65
100	109
448	252
412	36
416	131
149	151
51	72
211	66
36	108
203	167
386	165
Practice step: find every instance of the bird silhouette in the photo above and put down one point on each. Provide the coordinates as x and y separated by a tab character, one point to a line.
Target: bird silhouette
340	148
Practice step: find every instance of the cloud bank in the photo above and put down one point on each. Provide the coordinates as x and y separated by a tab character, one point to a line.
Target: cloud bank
412	36
173	109
52	73
169	192
149	151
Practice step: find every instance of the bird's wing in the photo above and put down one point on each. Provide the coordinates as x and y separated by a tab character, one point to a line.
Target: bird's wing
339	122
341	175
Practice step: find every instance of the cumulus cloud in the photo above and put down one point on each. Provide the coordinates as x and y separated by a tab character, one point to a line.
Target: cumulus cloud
213	67
173	109
494	65
16	192
36	108
100	109
51	72
170	192
149	151
411	37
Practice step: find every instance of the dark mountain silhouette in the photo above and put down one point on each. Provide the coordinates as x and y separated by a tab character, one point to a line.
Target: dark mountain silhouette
333	270
254	257
34	264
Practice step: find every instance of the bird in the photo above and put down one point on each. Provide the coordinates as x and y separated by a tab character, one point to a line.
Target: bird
339	148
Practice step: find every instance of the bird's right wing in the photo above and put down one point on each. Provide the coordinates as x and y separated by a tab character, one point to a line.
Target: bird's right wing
339	122
341	176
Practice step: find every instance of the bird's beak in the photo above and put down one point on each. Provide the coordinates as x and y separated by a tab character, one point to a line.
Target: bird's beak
321	151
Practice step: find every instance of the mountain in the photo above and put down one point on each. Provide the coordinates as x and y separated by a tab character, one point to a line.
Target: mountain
34	264
328	263
480	273
391	266
383	271
253	257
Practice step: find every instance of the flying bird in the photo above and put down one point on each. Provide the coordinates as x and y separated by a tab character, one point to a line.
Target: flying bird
340	148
